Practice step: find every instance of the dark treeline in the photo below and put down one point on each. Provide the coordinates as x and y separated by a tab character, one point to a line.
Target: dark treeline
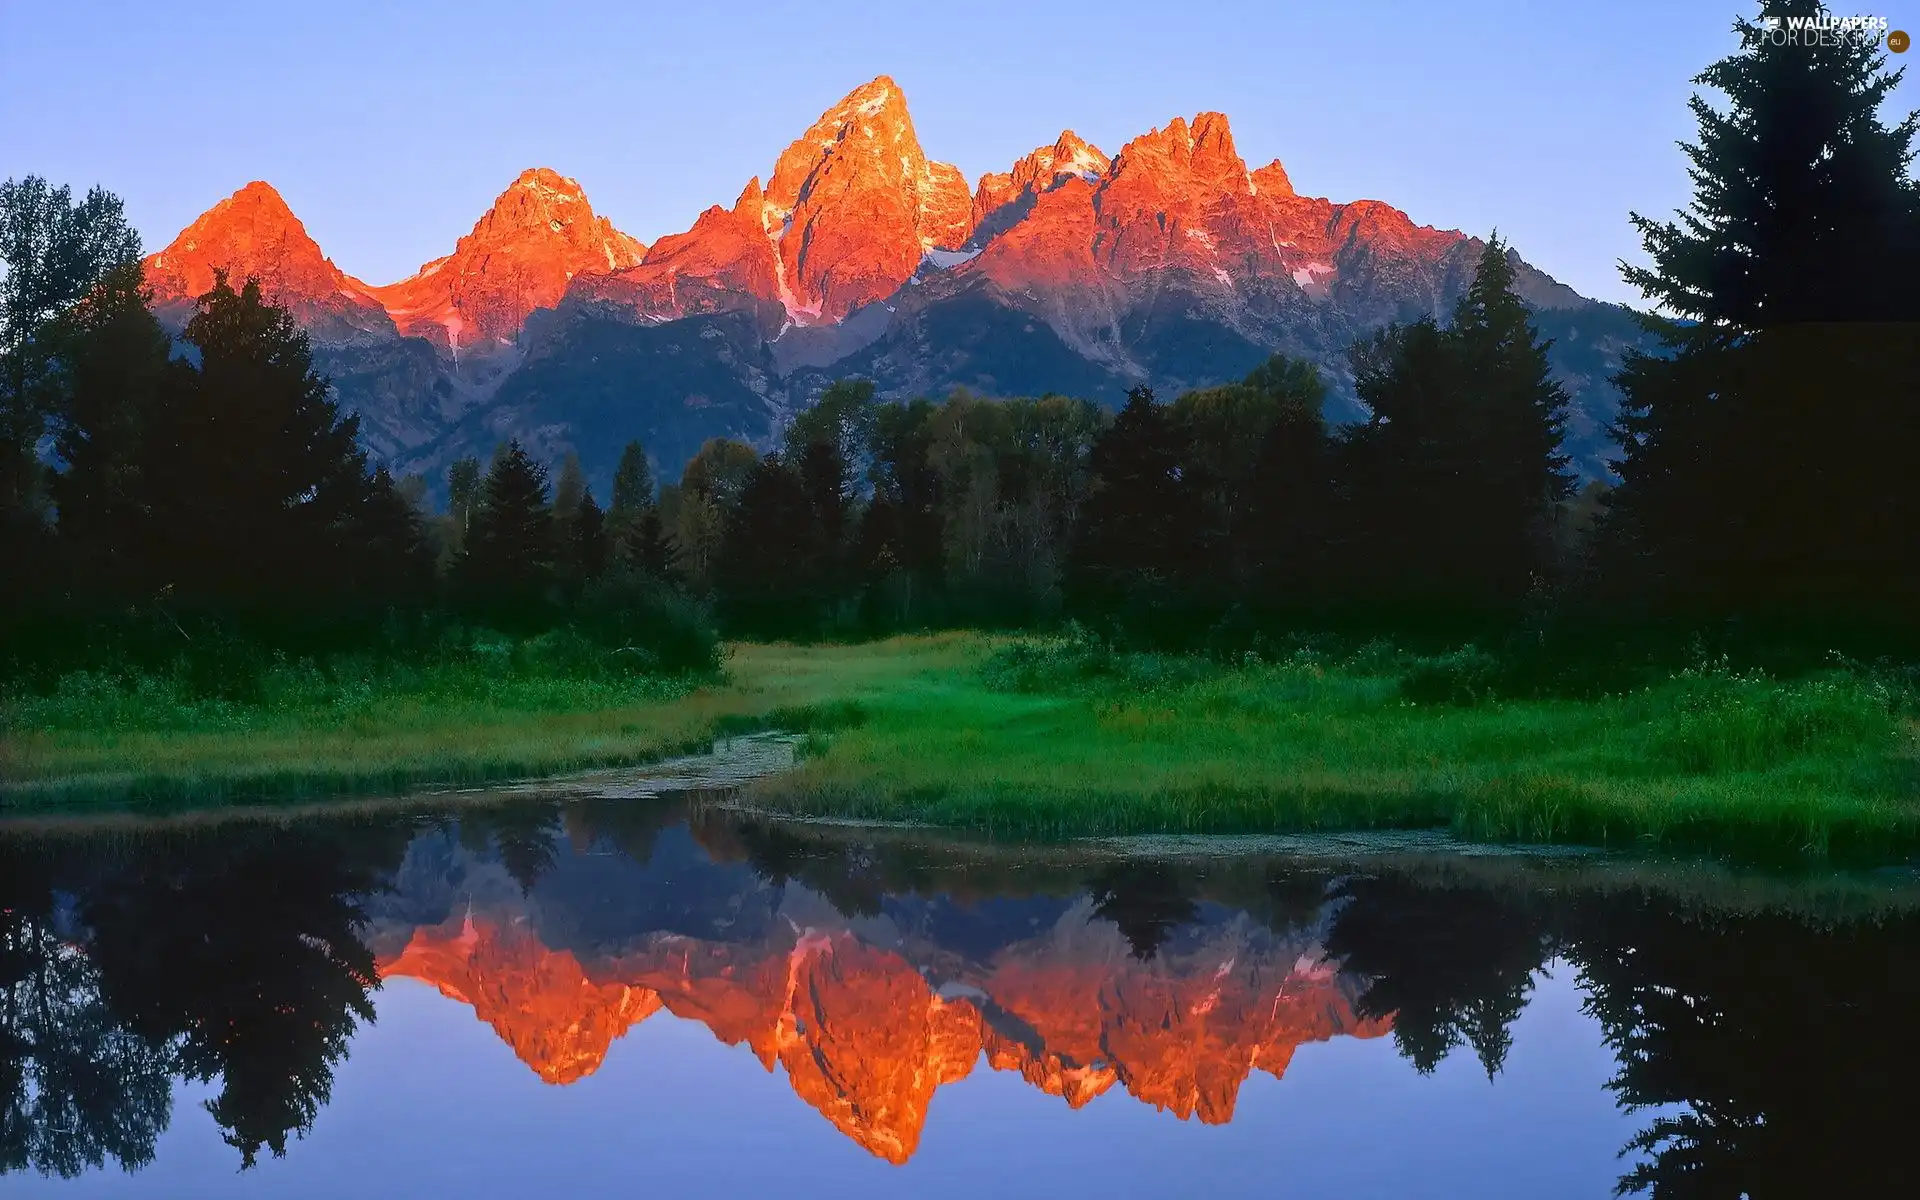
1766	486
235	959
205	501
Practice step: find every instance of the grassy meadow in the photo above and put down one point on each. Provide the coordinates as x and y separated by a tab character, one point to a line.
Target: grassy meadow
1057	737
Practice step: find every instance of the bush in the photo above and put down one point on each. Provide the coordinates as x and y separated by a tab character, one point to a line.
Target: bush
656	626
1079	659
1717	719
1052	664
1466	677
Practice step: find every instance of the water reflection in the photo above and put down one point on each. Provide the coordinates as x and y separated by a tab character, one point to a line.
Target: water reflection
1760	1033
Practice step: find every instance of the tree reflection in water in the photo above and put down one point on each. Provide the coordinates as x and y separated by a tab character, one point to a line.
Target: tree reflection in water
1762	1043
229	955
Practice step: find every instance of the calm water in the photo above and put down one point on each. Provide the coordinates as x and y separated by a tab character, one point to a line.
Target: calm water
539	994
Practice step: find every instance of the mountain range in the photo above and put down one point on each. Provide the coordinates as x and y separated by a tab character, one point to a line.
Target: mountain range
1170	262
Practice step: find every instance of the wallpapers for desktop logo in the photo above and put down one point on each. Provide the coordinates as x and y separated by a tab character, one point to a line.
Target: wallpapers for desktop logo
1831	31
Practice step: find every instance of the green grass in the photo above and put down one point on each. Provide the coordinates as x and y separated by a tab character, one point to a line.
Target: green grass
364	728
1055	738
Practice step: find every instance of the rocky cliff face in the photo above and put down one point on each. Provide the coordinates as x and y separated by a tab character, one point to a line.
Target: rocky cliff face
1172	262
849	211
253	234
537	238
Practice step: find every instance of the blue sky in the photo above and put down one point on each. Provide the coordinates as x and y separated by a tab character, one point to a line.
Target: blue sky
390	126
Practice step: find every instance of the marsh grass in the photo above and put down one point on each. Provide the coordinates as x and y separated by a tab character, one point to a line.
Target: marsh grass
1063	737
352	725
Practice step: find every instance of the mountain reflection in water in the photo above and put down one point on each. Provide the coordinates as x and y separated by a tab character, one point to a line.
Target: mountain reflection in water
1757	1028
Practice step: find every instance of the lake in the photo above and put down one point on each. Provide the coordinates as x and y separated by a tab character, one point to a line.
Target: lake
652	992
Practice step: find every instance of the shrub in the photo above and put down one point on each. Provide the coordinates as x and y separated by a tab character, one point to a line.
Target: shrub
656	626
1717	719
1466	677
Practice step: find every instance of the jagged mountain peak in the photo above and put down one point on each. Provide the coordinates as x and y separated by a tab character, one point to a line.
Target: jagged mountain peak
1203	151
254	234
521	254
854	203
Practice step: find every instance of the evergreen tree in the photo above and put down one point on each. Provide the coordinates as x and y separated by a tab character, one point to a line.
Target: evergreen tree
252	475
1287	500
568	488
651	550
388	558
900	552
828	447
1451	489
119	376
1133	552
768	569
1760	447
636	531
588	550
1518	419
508	565
697	512
632	483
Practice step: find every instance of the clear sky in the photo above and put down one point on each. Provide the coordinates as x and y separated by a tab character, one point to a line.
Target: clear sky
390	126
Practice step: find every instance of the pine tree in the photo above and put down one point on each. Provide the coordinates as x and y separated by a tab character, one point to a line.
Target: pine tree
1134	552
1518	418
767	573
636	532
632	483
1452	488
899	552
387	555
507	568
119	377
828	447
588	550
651	550
252	475
1760	446
704	503
1400	472
1287	500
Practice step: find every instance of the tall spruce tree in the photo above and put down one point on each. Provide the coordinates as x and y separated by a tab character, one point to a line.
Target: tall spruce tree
587	544
828	447
1520	419
632	482
1134	552
463	493
768	572
1766	449
252	475
1453	485
899	552
388	559
507	570
119	377
637	536
1287	500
